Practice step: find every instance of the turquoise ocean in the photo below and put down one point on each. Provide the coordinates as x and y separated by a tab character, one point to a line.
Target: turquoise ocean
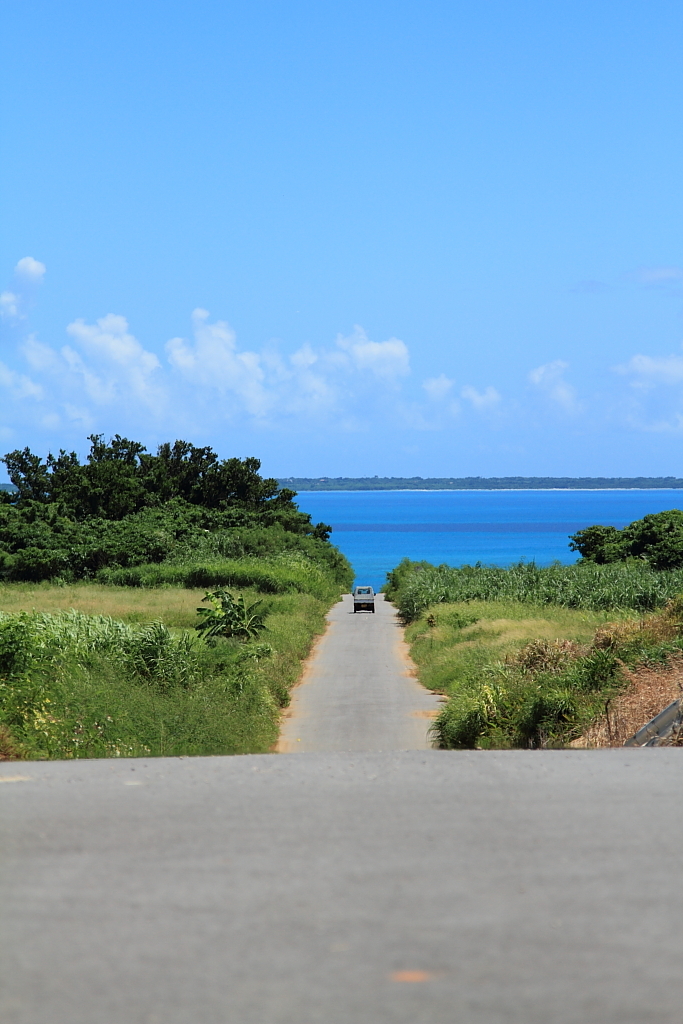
376	529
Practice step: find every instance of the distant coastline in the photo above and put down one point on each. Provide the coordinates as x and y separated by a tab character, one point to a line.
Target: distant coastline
482	483
474	483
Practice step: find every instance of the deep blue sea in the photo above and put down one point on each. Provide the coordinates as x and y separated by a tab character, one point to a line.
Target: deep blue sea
376	529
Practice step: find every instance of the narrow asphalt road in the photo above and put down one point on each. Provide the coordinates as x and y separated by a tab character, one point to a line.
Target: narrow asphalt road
419	887
359	691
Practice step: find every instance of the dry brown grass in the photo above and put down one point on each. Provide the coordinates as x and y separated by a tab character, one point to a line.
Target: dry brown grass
649	691
546	655
653	629
173	605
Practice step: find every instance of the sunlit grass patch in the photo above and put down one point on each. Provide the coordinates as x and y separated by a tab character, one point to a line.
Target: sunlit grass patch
173	605
98	681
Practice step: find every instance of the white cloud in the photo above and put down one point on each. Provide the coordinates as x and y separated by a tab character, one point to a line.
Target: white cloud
27	274
30	269
487	399
105	371
303	358
303	389
388	359
213	360
546	375
9	305
267	386
109	338
550	379
40	357
101	390
649	370
674	425
437	387
19	385
123	368
79	416
105	375
105	367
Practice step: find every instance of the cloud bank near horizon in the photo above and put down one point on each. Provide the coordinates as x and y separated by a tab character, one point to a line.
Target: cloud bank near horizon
101	378
102	370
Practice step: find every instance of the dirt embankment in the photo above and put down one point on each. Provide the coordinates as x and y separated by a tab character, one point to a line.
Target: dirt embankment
649	691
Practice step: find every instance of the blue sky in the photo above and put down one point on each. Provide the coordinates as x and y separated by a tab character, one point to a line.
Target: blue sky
348	238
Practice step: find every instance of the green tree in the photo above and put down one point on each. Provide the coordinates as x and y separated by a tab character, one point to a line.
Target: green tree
656	538
121	477
601	544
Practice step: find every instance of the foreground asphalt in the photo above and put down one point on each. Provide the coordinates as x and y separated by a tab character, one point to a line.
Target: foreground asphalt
340	888
359	691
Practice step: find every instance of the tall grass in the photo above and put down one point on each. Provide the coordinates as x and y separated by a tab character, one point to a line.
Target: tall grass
77	685
414	586
519	675
289	572
176	606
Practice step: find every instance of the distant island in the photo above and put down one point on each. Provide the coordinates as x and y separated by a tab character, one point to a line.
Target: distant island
472	483
479	483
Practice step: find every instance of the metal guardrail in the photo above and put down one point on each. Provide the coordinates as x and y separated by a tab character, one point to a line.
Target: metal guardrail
659	727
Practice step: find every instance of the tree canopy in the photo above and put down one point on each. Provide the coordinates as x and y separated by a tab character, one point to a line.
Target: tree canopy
656	539
125	506
121	477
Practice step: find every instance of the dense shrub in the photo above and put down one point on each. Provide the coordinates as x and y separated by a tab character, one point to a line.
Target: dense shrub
37	543
278	575
122	477
126	509
657	539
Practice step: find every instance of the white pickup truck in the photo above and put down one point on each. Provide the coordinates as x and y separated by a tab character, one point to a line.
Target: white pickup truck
364	599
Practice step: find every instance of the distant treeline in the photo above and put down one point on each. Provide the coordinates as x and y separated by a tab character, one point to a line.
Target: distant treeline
478	483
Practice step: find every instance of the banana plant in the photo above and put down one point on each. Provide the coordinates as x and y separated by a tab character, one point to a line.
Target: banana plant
229	616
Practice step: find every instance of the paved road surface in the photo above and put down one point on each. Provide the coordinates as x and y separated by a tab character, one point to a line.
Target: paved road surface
359	691
422	887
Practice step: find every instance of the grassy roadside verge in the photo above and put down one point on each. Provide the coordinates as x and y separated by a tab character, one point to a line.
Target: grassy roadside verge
527	676
471	652
124	673
542	657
